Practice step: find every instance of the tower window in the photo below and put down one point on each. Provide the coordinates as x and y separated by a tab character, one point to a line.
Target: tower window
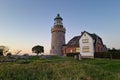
52	47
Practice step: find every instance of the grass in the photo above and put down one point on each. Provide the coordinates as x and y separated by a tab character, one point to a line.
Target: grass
58	68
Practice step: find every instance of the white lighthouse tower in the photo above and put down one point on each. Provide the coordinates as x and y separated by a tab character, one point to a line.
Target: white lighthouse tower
58	36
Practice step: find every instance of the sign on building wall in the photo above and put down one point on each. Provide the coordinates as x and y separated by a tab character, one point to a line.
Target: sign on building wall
85	40
86	49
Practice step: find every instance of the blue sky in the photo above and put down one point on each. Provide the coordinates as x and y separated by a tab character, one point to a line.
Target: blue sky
25	23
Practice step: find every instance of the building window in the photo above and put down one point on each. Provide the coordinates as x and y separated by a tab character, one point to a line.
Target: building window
71	51
84	34
85	40
86	49
77	50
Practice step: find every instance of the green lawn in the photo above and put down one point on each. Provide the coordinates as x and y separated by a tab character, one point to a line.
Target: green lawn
58	68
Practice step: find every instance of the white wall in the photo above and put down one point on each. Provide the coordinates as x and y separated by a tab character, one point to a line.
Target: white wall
86	45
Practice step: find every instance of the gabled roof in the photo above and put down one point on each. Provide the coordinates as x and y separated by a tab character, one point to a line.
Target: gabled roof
94	36
74	42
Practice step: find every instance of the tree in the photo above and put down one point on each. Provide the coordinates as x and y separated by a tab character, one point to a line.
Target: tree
9	54
38	49
3	50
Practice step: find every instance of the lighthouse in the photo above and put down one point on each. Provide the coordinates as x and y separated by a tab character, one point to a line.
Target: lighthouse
57	36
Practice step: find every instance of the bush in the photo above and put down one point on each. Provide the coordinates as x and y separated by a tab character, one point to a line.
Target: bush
101	55
9	54
72	54
112	55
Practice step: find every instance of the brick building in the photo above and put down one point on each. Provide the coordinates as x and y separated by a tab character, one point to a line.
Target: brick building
72	46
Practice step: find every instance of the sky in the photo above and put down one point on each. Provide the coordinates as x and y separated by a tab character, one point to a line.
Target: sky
26	23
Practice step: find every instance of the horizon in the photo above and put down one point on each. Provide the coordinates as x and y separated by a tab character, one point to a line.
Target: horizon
24	24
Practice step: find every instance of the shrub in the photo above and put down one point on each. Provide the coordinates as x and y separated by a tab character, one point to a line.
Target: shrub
111	55
101	55
72	54
114	55
9	54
